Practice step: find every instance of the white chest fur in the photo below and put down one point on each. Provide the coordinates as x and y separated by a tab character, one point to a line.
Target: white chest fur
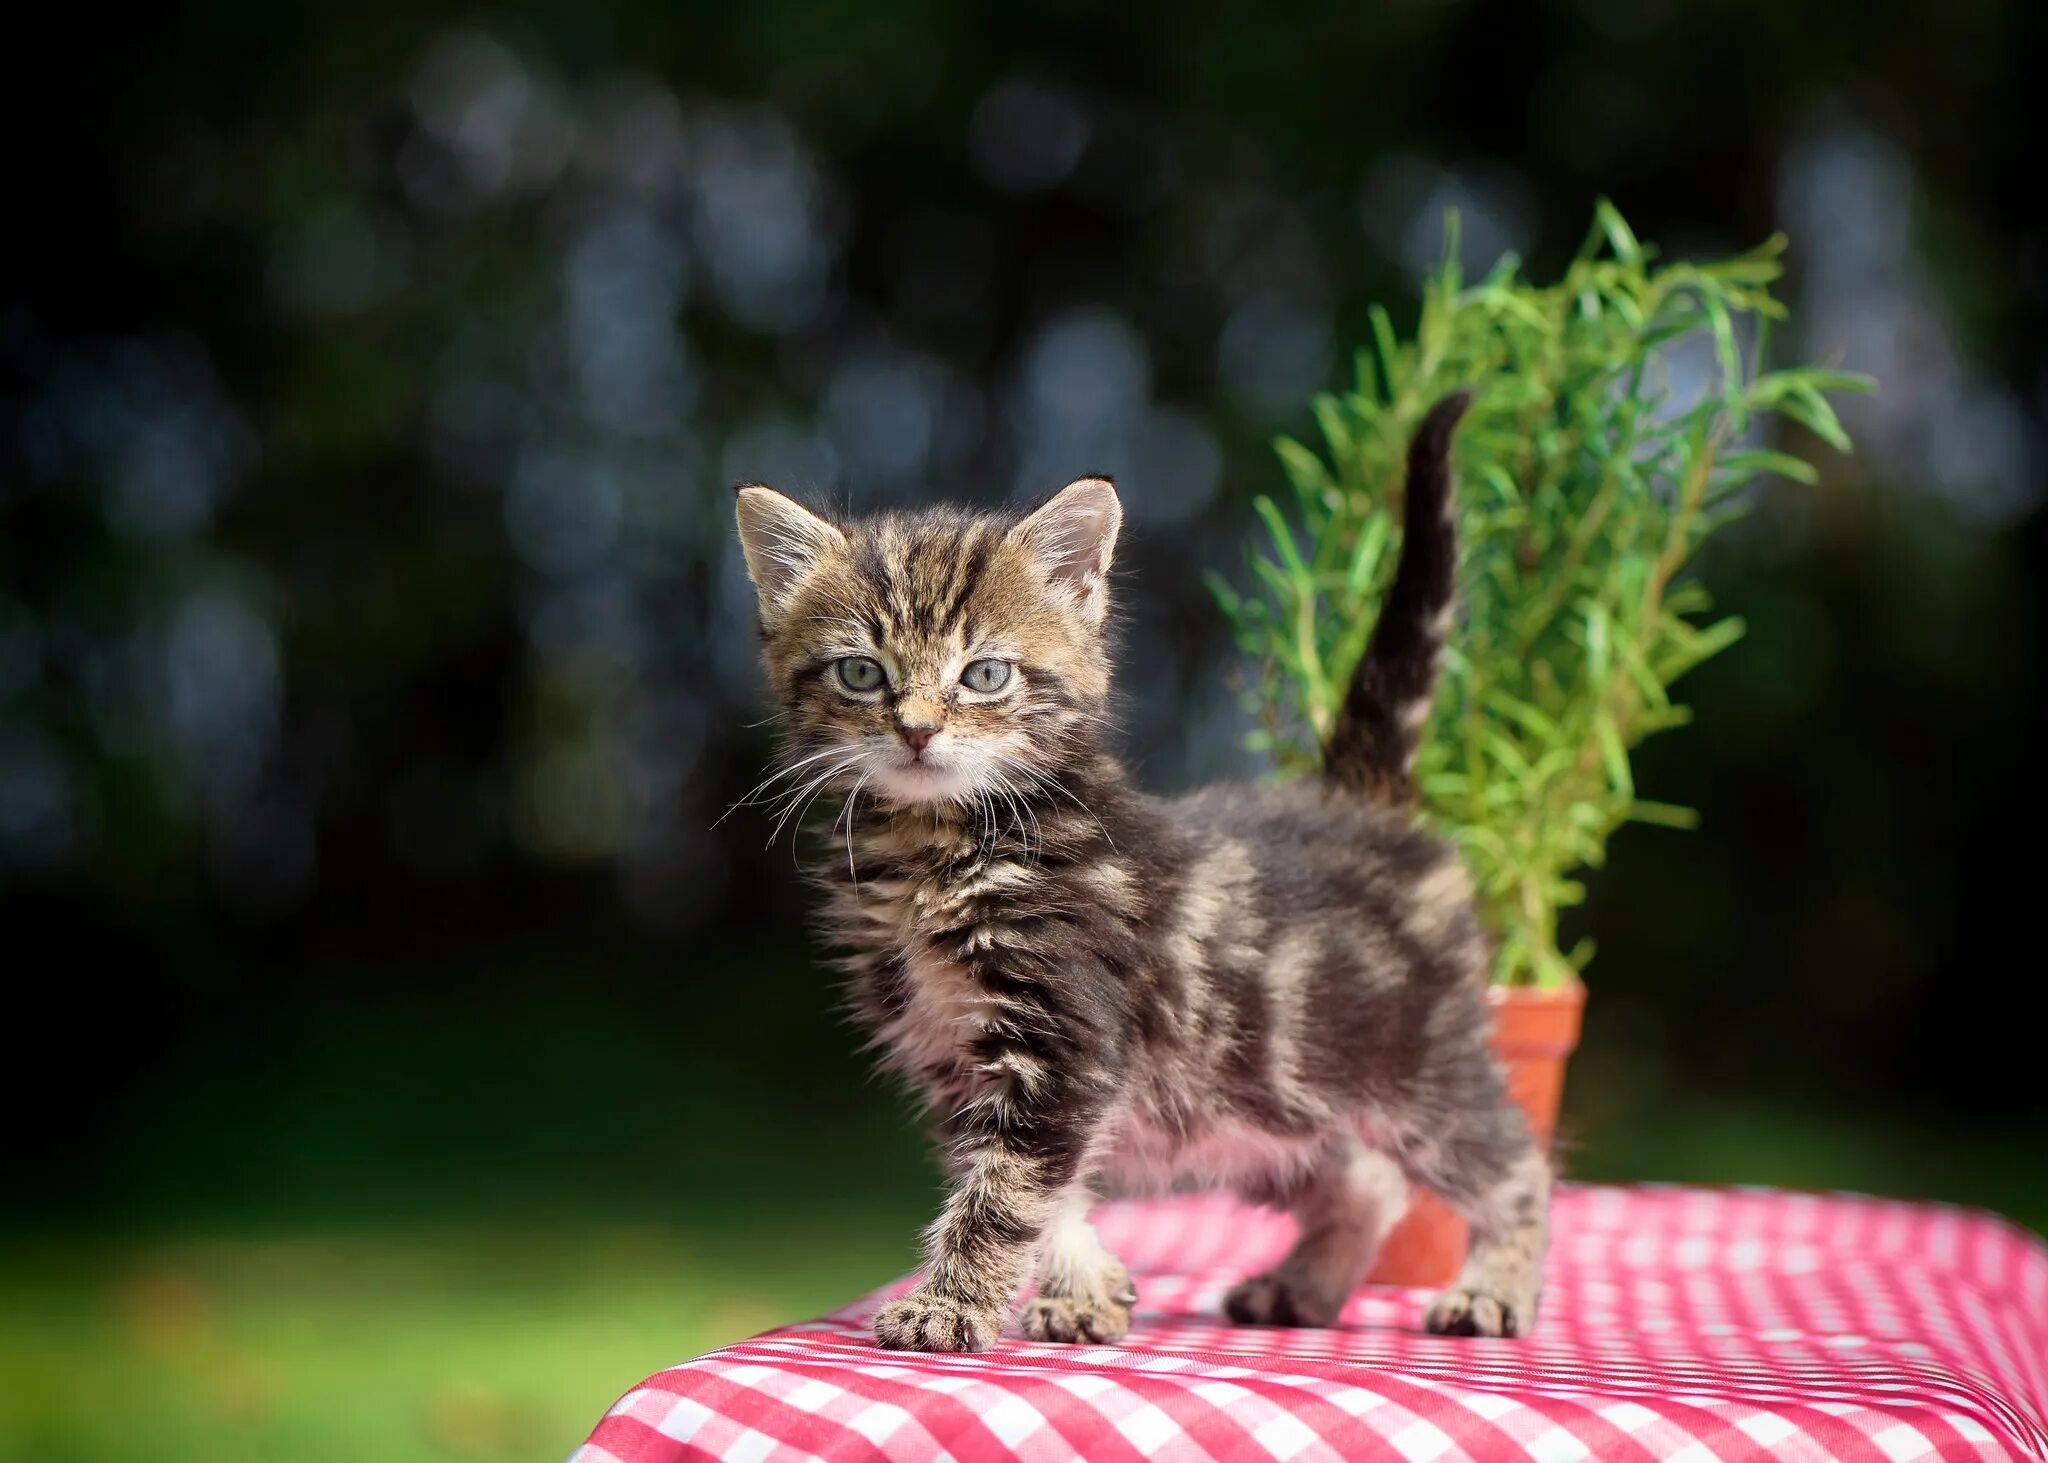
944	1013
944	1009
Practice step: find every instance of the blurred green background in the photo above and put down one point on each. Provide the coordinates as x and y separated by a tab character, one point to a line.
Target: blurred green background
402	1064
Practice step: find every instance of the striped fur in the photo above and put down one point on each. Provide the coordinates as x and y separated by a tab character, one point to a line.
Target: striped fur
1274	989
1372	747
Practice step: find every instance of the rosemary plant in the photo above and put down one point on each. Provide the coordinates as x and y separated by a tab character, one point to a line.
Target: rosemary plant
1585	486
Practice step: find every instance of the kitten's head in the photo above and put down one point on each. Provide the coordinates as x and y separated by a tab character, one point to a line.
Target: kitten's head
934	657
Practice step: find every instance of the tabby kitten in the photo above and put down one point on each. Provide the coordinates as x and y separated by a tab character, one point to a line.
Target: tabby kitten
1272	989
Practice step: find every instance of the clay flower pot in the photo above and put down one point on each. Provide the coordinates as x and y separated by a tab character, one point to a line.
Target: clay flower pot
1534	1031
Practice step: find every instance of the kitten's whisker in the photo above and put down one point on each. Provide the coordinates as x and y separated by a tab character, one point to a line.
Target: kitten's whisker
1012	820
817	791
1046	780
1020	808
993	785
852	874
805	794
1016	819
1079	715
756	790
788	804
753	796
754	800
789	797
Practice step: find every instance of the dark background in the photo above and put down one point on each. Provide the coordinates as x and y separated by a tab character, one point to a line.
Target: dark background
375	658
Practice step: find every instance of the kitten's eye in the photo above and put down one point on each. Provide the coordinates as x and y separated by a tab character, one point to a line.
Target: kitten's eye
859	674
986	675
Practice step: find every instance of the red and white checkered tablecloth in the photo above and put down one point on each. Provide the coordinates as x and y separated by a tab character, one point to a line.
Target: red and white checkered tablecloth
1678	1324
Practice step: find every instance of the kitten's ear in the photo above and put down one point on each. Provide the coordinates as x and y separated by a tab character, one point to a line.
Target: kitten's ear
783	541
1073	537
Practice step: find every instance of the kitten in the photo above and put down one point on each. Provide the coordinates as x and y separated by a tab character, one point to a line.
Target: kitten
1272	989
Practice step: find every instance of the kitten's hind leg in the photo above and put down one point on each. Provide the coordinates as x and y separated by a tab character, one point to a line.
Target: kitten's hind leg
1508	1205
1084	1293
1344	1211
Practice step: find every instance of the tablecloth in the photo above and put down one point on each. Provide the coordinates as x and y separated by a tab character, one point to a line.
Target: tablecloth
1678	1324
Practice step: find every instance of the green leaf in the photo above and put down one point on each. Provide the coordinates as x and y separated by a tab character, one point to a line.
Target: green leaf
1304	469
1495	477
1365	558
1820	380
1759	459
1731	363
1336	430
1615	758
1389	351
1620	237
1809	407
1524	715
1283	540
1663	815
1597	647
1228	599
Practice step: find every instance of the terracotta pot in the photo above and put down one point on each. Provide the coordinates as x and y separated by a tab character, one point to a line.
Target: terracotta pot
1534	1031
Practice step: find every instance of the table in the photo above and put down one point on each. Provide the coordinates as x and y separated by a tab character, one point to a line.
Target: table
1678	1324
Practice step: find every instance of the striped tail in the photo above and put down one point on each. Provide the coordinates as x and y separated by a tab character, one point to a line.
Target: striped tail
1372	748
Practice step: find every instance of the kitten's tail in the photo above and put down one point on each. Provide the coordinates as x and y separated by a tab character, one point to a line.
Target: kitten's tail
1372	747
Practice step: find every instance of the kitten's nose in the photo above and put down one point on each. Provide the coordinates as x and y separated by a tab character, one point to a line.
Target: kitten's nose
916	737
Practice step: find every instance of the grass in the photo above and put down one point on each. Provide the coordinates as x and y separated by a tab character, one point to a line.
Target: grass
1752	1142
438	1341
446	1342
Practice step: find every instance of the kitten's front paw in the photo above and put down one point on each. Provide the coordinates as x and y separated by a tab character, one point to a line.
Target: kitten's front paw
1274	1299
1065	1318
924	1320
1462	1312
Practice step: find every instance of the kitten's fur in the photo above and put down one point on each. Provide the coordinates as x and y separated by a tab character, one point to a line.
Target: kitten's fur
1274	989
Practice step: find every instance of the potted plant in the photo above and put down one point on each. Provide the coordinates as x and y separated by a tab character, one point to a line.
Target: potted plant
1615	427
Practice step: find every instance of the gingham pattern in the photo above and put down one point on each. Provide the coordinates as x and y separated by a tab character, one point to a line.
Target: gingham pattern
1679	1324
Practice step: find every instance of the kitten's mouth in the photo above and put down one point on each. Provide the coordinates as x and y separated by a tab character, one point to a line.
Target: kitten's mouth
919	778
